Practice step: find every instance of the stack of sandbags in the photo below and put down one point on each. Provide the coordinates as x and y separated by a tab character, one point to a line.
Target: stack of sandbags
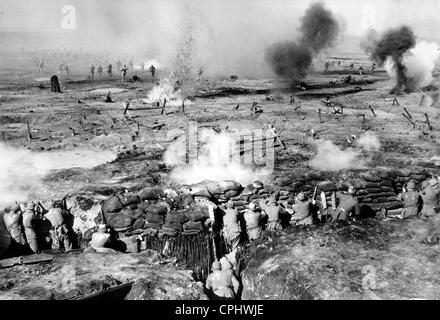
115	215
198	217
154	217
221	190
174	221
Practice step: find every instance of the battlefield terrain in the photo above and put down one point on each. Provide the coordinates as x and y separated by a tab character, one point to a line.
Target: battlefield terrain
90	147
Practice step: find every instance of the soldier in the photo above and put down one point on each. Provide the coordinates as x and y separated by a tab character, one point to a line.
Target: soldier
292	100
301	213
110	70
92	71
13	223
152	70
352	66
348	205
101	238
222	283
29	223
327	65
361	70
118	65
231	227
411	201
124	72
430	196
59	231
100	71
272	211
252	219
373	67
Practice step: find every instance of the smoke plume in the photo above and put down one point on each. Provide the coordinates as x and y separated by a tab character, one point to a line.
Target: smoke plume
319	30
331	157
217	159
393	45
369	42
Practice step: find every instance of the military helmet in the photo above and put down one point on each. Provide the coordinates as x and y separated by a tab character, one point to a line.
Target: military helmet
301	196
410	185
230	204
216	265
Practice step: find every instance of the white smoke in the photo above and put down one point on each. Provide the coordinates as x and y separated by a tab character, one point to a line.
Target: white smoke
22	171
420	63
217	159
166	90
19	178
369	142
331	157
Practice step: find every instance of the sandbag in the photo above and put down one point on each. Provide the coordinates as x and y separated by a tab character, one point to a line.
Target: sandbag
132	244
200	191
196	214
138	224
176	217
228	185
173	225
150	193
214	188
154	218
112	204
149	225
232	193
258	184
130	200
192	225
120	221
327	186
157	209
150	232
167	232
136	213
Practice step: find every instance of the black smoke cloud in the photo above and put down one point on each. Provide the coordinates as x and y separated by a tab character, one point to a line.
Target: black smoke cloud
319	30
394	44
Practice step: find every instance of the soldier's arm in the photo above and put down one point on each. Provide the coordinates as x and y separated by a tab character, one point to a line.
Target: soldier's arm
208	284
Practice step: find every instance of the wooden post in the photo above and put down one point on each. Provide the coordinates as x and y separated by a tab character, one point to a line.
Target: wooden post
182	109
126	105
319	112
427	120
372	110
164	104
54	84
29	134
410	120
409	115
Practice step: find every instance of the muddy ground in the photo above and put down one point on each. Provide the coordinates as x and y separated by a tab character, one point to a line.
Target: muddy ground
78	118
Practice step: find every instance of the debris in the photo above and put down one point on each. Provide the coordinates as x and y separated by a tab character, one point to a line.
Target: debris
54	84
108	98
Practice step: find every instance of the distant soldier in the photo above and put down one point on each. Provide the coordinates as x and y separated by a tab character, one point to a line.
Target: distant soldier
351	66
124	72
339	63
431	197
99	71
13	223
110	70
152	70
292	100
361	70
301	211
231	226
411	201
92	71
222	283
326	66
348	205
29	223
252	218
118	65
373	67
40	66
272	210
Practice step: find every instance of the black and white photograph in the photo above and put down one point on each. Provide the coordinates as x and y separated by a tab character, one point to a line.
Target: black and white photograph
219	154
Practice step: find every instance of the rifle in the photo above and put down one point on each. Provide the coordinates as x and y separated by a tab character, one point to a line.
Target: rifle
314	195
29	259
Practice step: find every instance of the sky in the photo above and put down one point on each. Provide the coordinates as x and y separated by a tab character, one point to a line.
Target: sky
223	28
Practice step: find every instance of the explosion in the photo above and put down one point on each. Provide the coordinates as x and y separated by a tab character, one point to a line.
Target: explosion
319	30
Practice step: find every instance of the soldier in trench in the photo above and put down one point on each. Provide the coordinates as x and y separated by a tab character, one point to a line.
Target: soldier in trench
348	205
231	226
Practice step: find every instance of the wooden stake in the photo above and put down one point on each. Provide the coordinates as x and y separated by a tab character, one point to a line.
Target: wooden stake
29	135
319	112
372	110
407	118
427	120
163	107
409	115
